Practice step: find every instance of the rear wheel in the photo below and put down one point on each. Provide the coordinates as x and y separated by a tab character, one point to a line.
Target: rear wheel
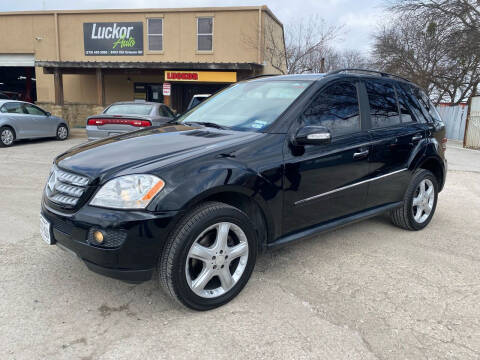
419	203
62	132
7	136
209	257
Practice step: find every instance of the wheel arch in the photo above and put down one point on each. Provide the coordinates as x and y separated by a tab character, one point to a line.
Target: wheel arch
11	127
242	199
426	157
434	165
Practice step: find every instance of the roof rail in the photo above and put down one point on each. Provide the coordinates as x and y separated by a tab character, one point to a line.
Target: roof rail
379	73
260	76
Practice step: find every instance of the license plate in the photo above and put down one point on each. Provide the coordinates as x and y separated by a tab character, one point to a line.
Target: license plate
45	231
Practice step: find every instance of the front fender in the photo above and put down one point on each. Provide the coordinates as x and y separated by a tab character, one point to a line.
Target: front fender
203	184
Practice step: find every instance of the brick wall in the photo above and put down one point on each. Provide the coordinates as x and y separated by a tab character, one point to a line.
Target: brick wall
75	114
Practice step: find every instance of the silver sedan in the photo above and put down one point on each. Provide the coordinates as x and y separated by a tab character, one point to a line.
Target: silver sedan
126	116
22	120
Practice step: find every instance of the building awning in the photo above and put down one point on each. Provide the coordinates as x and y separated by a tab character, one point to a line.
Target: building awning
50	66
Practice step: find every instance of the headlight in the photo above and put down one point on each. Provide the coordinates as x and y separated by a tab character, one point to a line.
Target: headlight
128	192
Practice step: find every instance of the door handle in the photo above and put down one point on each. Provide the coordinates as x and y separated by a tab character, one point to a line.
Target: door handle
360	154
417	137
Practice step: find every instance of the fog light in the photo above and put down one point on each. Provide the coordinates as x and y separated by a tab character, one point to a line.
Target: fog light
106	238
98	236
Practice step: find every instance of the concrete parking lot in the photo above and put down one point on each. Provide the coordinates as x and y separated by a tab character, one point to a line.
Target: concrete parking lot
366	291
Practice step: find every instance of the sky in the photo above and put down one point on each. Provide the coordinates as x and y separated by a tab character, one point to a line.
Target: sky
359	17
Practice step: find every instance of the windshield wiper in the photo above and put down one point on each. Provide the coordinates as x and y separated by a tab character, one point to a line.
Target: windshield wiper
206	123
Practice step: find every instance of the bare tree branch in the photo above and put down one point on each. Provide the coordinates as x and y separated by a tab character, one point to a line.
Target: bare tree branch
436	43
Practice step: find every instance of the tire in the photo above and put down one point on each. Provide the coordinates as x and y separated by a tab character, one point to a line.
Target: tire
7	136
196	237
416	217
62	132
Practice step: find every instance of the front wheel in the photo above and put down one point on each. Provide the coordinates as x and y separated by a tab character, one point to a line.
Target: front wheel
419	203
62	132
209	256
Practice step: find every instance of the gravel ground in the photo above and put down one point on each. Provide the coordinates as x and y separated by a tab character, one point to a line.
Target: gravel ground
366	291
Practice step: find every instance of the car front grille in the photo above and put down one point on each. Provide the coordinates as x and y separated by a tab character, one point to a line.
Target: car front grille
64	188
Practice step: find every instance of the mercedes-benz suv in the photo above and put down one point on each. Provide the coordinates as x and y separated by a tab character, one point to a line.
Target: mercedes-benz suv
261	164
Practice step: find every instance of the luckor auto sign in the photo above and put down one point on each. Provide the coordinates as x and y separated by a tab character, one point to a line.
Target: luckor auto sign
113	38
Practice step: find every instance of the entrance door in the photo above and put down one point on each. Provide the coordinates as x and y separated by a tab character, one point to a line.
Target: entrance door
148	92
154	93
17	83
324	182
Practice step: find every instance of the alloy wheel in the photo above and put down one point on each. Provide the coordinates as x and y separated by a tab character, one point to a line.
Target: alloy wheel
216	260
7	137
423	201
62	132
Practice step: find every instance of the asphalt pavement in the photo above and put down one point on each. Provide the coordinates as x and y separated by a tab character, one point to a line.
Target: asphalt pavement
366	291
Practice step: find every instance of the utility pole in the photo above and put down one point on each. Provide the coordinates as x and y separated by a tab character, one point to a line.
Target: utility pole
322	65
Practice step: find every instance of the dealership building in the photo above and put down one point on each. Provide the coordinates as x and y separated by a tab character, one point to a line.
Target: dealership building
73	63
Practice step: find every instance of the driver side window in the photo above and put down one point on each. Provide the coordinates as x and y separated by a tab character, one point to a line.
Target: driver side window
336	108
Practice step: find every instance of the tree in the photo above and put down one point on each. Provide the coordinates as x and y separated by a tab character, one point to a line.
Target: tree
305	48
435	43
346	59
307	41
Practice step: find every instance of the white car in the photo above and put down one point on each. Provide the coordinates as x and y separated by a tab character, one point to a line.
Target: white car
197	99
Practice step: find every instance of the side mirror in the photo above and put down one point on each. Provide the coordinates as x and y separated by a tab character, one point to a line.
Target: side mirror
49	113
312	135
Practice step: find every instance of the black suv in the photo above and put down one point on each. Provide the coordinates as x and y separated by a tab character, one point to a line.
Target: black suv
261	164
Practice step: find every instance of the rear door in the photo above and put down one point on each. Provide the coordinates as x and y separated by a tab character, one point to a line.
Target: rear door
395	135
24	125
324	182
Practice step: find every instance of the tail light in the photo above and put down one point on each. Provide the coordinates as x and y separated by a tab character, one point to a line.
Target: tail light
444	144
107	121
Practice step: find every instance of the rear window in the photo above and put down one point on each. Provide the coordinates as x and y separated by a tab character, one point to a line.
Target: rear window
129	109
428	108
14	108
413	103
404	105
383	104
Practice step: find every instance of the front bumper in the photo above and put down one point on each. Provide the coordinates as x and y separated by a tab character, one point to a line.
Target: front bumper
134	259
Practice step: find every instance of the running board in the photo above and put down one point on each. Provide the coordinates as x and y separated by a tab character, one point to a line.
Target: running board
332	225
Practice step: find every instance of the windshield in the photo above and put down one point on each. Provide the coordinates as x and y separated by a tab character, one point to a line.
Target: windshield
129	109
247	106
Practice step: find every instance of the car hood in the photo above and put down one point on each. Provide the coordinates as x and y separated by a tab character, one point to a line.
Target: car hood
159	146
